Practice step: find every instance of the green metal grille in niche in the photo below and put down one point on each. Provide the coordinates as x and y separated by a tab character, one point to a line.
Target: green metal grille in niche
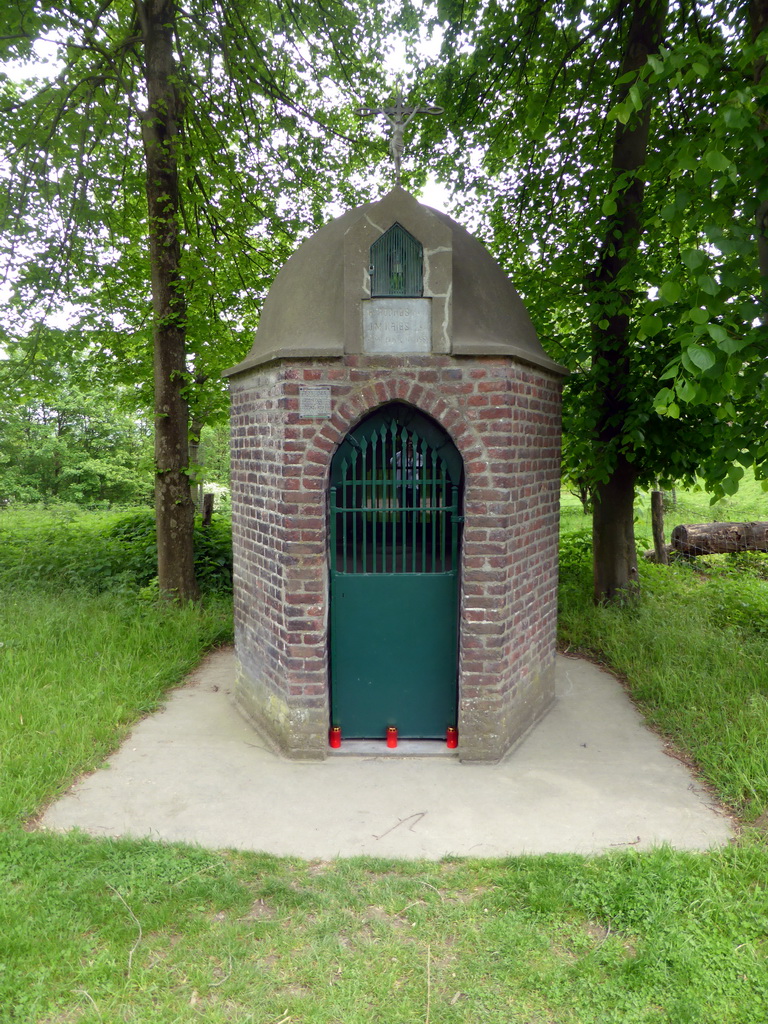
397	261
394	505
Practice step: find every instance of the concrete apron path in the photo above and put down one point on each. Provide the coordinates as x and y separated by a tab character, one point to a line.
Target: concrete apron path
591	777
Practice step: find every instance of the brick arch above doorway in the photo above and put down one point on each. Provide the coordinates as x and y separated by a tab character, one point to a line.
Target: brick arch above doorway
399	384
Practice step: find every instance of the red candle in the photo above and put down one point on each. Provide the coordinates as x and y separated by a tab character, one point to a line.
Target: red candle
391	735
451	738
334	736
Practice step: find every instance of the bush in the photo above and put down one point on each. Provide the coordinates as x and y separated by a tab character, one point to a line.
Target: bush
213	550
69	548
575	567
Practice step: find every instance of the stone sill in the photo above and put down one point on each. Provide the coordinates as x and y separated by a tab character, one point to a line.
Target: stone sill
404	748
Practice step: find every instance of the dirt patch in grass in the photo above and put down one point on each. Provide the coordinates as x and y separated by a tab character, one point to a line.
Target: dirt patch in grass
379	915
260	911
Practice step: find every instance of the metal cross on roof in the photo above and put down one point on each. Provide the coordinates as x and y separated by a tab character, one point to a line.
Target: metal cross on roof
399	117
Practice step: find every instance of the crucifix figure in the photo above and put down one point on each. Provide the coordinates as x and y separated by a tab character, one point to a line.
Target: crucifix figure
399	117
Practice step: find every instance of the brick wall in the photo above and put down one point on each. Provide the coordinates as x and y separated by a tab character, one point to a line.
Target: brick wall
504	418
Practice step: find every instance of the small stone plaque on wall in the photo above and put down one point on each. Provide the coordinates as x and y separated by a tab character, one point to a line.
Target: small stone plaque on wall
314	402
392	326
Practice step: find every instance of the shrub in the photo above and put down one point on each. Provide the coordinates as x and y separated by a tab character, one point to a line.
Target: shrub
69	548
213	550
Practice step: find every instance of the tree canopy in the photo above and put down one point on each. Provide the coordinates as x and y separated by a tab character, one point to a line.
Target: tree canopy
612	153
261	151
155	182
617	153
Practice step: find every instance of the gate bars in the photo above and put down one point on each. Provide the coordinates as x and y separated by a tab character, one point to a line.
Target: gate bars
393	508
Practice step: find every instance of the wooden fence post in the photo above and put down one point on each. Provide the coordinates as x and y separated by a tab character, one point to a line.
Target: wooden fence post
657	525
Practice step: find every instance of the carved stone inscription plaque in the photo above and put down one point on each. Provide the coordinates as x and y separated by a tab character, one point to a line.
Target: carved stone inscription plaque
392	326
314	402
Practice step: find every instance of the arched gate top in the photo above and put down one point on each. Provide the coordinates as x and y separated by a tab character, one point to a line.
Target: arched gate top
404	417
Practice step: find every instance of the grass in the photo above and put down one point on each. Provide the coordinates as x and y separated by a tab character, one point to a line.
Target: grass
693	651
701	679
76	670
95	930
749	504
62	546
99	930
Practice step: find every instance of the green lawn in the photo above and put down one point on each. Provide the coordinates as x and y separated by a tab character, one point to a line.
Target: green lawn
99	930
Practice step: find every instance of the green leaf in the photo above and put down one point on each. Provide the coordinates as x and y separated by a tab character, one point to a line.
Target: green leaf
732	345
650	325
701	357
698	315
621	112
670	291
686	390
729	485
707	284
609	207
717	333
693	258
717	160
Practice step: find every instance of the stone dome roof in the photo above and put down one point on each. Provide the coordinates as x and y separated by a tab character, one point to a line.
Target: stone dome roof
313	307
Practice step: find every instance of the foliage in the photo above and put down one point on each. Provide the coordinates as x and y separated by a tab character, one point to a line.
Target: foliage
62	438
616	153
533	98
212	115
264	148
67	547
214	454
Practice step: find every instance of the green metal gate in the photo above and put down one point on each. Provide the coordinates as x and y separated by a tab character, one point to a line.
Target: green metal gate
394	555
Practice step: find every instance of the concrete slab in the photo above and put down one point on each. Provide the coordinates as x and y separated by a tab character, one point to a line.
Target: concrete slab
591	777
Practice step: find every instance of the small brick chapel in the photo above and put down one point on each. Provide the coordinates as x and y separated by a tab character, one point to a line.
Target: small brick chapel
395	494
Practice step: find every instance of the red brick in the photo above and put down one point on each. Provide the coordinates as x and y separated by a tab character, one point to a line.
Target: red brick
503	419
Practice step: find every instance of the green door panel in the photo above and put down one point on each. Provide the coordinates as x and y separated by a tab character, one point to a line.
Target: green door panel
393	654
394	528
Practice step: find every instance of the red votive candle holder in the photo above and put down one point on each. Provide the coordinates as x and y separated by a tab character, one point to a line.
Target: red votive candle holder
451	738
334	736
391	735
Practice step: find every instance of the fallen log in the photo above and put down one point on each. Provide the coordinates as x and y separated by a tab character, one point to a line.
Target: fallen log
720	538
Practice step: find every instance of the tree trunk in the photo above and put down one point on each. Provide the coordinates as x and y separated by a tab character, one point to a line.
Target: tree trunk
614	553
207	509
720	538
758	23
160	129
196	472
